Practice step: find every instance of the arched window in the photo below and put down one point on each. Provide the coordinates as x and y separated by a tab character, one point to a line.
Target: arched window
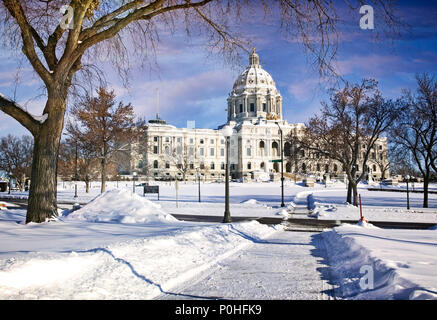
288	167
261	148
212	166
276	167
287	149
275	149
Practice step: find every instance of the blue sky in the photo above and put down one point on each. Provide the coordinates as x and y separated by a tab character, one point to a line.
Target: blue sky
194	85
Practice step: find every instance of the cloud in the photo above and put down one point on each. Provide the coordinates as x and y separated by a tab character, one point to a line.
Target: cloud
369	65
185	98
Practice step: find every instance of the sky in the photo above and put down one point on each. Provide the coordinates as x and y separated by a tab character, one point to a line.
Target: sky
194	84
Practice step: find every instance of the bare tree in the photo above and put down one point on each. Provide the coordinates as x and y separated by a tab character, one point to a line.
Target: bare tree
104	127
179	157
16	157
348	128
416	131
77	160
62	54
383	162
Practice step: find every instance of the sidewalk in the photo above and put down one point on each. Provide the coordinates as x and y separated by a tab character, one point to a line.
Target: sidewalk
286	266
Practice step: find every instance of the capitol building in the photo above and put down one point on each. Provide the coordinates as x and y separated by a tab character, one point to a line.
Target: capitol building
254	112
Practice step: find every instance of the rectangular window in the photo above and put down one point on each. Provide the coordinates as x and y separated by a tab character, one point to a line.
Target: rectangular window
264	107
201	152
211	152
222	152
167	139
211	141
252	107
248	152
191	140
155	139
241	107
155	149
179	139
191	151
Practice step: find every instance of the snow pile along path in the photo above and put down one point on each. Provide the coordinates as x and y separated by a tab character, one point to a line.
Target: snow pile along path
135	269
121	206
372	263
75	263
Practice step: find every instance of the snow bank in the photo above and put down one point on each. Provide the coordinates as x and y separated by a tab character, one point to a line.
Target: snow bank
402	263
121	206
254	202
263	177
134	269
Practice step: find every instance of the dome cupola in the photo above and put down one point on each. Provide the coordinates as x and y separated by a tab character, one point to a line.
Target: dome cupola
254	94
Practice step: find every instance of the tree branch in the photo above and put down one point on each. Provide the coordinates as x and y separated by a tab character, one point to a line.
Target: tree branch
18	113
28	35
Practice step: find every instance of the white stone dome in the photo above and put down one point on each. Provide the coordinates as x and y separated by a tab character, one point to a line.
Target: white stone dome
254	95
254	79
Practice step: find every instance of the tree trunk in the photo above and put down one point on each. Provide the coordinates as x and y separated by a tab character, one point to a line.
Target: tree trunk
355	193
22	182
425	191
42	203
87	186
349	193
103	178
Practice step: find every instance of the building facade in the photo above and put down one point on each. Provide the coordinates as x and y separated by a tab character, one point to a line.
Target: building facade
254	111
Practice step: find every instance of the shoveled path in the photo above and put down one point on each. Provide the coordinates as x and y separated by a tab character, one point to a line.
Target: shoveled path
287	265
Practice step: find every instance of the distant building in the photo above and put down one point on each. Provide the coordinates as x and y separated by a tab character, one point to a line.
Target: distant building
255	113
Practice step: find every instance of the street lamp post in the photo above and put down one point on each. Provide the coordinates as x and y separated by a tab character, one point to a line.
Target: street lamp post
227	132
198	181
282	168
407	177
134	174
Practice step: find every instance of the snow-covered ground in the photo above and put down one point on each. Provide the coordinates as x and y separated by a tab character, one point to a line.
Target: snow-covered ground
126	246
376	205
133	250
367	262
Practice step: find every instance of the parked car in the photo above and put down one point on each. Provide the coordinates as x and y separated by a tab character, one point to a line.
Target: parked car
3	205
